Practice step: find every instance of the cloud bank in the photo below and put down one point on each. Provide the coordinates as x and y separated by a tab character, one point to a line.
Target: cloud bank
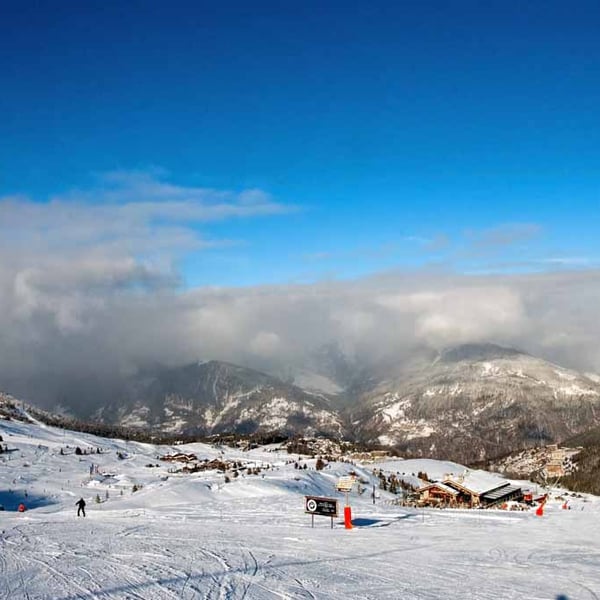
89	289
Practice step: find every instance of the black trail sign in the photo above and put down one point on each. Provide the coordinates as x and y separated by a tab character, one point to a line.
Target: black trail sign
316	505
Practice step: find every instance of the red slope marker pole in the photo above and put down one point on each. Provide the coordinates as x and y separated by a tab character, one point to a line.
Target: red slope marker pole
347	514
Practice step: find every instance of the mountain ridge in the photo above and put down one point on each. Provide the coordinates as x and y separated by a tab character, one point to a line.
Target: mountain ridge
215	397
466	403
476	401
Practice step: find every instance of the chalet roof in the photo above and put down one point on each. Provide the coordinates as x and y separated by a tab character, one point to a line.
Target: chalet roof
505	490
475	482
441	486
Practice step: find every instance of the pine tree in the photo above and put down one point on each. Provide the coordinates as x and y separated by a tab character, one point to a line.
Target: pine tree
382	482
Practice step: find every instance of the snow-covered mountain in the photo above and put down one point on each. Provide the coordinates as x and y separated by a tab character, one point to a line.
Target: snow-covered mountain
468	403
215	397
476	401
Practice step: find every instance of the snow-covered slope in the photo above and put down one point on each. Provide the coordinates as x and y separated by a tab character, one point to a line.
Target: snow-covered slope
197	536
477	401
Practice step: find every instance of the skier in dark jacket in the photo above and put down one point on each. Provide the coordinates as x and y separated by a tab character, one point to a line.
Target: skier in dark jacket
81	504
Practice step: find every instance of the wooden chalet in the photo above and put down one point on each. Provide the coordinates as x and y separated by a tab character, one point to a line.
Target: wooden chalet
475	491
465	495
437	494
180	457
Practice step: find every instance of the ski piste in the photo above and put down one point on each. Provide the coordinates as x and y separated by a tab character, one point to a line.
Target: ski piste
200	535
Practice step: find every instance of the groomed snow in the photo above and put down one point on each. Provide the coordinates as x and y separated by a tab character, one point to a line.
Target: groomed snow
195	536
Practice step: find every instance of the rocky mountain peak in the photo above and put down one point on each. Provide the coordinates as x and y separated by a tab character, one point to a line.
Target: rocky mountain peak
479	400
215	397
478	352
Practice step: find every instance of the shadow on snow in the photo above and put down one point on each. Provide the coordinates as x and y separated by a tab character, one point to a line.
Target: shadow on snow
10	500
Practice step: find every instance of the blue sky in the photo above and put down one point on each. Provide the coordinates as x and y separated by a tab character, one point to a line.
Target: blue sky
369	137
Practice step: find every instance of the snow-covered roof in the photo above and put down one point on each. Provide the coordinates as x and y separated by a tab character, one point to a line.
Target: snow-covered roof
477	482
441	486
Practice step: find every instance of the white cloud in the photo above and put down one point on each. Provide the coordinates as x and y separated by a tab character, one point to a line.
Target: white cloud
265	344
69	326
469	315
504	235
137	208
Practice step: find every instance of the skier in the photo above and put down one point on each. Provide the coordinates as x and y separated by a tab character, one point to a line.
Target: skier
81	504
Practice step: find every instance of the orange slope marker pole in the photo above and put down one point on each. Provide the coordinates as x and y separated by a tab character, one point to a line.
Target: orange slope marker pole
347	514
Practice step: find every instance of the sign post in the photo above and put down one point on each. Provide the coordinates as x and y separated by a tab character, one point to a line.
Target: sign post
345	484
317	505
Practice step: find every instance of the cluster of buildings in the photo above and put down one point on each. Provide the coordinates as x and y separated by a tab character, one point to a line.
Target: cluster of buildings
559	460
470	490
